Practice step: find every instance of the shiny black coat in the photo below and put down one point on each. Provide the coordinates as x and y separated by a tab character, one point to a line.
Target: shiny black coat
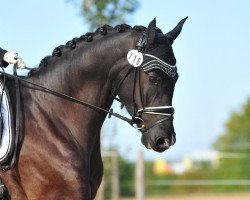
2	62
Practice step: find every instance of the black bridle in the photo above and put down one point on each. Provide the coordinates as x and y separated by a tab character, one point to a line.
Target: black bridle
156	63
167	111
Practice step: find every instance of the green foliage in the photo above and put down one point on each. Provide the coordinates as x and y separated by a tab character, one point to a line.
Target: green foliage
234	163
237	136
99	12
236	143
126	177
205	172
107	176
234	160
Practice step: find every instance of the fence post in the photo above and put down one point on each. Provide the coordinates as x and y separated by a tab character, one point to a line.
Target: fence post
139	177
115	176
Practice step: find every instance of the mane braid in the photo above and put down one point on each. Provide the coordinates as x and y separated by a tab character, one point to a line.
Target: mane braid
88	37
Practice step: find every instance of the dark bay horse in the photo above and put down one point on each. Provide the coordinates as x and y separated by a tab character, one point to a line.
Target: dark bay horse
59	155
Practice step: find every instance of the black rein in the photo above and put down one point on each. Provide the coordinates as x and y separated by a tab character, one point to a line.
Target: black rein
69	98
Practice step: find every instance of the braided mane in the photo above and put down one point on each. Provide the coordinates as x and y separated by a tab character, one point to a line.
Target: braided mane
88	37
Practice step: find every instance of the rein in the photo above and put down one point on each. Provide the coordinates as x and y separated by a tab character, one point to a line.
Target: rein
67	97
156	63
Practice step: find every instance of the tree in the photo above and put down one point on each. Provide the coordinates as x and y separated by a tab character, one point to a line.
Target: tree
237	134
126	177
235	144
99	12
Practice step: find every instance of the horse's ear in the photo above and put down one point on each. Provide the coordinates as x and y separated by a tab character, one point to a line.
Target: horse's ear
151	31
172	35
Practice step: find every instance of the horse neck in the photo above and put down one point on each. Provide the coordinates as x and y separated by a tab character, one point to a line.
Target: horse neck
87	74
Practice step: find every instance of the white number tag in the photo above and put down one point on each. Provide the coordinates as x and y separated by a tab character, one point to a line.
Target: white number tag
135	58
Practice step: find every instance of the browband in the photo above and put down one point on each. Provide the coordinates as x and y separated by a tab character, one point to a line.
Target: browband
156	63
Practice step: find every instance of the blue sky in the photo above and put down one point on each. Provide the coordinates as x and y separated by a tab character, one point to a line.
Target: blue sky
213	59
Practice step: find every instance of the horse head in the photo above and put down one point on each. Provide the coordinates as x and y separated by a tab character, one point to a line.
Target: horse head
66	99
147	89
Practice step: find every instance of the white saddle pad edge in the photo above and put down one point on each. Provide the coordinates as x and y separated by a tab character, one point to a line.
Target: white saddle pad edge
7	135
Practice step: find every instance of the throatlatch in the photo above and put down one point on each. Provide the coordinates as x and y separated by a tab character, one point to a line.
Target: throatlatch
135	58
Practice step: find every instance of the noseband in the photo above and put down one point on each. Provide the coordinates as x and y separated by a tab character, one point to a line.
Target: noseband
166	111
155	63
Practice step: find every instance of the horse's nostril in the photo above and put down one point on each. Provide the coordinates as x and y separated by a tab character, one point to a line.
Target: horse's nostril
163	143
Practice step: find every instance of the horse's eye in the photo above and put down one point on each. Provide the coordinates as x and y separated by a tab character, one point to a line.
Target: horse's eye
155	80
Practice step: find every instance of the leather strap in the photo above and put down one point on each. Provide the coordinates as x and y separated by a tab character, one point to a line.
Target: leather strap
143	130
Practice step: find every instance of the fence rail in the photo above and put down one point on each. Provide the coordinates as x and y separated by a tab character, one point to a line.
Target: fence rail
243	182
